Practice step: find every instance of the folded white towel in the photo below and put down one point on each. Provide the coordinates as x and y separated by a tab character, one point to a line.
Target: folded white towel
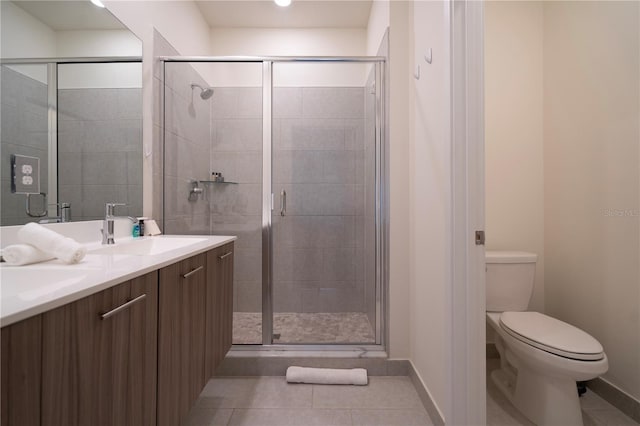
52	243
327	376
24	254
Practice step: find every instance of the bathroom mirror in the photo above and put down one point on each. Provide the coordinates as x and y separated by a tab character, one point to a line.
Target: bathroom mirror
71	95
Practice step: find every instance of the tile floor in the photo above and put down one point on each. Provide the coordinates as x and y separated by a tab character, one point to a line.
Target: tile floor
270	401
595	410
294	327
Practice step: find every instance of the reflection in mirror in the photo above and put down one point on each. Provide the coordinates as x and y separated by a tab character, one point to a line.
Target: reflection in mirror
82	119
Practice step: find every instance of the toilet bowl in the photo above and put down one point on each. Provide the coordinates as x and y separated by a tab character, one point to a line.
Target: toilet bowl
541	358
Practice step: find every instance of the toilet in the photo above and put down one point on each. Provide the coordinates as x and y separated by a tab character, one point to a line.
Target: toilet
541	358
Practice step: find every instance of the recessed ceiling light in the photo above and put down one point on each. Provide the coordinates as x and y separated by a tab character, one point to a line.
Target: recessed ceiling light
97	3
283	3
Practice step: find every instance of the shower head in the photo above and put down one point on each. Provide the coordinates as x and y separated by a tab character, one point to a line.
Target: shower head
205	92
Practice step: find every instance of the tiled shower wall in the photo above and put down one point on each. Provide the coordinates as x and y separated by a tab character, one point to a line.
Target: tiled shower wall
186	156
236	209
24	131
100	151
319	147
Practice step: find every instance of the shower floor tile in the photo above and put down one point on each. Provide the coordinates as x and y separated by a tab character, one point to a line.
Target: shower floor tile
294	327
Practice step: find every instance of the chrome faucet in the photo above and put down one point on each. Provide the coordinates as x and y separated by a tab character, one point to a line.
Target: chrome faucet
107	223
63	211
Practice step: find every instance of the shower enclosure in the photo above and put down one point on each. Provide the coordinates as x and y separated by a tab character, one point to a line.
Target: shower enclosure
287	154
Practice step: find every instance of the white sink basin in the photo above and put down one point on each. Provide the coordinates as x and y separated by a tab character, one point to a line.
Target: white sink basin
147	246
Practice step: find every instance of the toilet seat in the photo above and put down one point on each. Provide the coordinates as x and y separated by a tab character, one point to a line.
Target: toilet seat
551	335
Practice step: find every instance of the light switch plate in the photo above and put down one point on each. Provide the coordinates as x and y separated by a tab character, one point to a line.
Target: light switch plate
25	174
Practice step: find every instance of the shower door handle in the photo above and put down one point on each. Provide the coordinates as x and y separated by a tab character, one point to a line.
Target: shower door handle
283	202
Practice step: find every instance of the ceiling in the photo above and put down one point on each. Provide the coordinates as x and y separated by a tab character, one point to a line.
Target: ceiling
71	15
82	15
301	13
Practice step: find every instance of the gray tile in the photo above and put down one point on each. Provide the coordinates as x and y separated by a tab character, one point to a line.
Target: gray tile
328	199
237	135
242	199
248	229
297	167
238	166
177	202
297	265
311	134
261	392
338	264
249	102
287	102
338	167
104	167
247	265
69	168
341	299
313	231
330	102
290	417
249	295
287	297
185	159
208	417
129	103
380	393
354	136
390	418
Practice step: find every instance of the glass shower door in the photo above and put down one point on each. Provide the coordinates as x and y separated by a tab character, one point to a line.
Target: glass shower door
323	184
213	170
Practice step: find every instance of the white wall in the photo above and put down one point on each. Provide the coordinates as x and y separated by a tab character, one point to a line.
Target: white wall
23	36
513	136
100	76
377	25
70	44
291	42
399	228
592	176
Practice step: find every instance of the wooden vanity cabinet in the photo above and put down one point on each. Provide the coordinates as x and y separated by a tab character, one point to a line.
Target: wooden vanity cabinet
136	354
219	306
181	337
99	358
21	367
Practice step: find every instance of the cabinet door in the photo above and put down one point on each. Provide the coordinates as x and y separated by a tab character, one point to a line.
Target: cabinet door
139	368
181	334
21	363
219	305
98	357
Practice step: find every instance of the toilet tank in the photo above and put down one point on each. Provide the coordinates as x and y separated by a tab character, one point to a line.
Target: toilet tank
510	277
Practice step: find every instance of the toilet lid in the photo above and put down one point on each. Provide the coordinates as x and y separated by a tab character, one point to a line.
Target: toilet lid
551	335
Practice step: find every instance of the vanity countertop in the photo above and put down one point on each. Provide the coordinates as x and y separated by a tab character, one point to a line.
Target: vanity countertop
30	290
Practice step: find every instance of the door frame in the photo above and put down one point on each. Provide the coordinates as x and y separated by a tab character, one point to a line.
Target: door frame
467	314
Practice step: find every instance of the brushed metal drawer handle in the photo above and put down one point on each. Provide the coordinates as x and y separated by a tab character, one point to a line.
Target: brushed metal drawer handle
122	307
188	274
225	255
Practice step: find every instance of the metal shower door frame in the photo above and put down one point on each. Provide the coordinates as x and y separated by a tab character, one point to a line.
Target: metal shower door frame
381	183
